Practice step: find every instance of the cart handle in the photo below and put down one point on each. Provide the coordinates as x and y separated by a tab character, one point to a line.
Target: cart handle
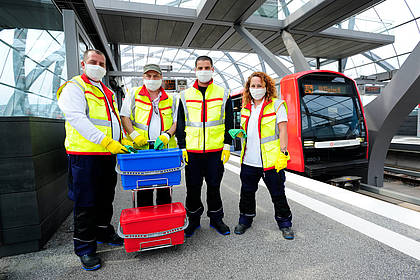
153	234
150	172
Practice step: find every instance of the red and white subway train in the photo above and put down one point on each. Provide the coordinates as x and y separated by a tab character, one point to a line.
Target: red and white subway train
327	131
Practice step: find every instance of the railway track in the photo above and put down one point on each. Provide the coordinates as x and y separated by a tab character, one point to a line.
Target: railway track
408	176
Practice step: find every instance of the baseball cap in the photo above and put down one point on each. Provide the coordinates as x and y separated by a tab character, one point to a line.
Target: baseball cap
153	67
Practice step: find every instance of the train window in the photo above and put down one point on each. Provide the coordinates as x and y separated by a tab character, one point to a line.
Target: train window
330	109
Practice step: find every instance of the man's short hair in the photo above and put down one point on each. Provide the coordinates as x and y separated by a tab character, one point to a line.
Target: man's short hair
86	53
203	58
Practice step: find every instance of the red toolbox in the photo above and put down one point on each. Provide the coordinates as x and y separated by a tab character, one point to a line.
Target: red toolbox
152	227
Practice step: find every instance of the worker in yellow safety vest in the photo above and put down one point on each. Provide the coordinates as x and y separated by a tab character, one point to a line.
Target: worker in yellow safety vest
205	115
93	135
149	118
264	151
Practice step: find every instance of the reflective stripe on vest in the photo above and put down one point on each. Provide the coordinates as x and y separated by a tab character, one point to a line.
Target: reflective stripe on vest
141	126
204	134
268	131
96	112
100	122
142	114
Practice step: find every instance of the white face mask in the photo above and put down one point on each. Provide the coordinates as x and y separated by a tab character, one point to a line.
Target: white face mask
257	93
94	72
152	84
204	75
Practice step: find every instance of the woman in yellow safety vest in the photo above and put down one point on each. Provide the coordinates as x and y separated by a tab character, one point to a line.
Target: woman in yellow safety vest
264	151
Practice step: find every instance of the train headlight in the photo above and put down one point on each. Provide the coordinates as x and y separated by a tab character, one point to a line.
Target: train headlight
308	143
361	140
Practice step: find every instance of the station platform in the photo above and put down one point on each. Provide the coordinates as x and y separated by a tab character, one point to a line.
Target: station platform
339	235
405	143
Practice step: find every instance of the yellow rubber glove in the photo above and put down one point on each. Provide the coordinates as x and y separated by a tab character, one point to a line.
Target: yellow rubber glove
164	137
225	153
138	139
126	142
113	146
281	162
185	156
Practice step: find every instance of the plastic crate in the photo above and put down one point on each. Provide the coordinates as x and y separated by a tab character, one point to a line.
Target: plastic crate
150	160
151	227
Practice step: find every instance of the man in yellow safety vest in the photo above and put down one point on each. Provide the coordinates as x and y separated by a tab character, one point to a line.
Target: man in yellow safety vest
149	114
205	115
93	135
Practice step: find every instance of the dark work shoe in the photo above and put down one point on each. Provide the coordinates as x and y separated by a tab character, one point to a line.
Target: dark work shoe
192	226
241	228
220	226
90	262
288	233
113	240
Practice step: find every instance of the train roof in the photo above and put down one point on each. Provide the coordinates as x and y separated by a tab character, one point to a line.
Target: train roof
303	73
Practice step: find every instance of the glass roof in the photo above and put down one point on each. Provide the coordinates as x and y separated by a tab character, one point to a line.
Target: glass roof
399	18
279	9
231	68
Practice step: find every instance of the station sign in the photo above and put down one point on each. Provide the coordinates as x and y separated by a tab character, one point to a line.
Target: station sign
169	85
321	88
373	89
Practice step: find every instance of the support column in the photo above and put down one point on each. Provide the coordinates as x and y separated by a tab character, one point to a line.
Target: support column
115	49
340	65
71	43
295	53
115	81
385	114
318	63
279	68
418	121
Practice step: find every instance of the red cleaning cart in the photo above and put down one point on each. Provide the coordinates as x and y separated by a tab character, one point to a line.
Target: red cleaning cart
151	227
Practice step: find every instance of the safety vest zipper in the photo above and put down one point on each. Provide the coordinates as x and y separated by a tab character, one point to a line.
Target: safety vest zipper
203	108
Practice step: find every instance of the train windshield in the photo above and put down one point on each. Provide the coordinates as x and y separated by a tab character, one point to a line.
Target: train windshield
330	108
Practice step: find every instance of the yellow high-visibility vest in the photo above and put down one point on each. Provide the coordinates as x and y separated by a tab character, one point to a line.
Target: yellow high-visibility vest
98	111
267	129
143	114
204	118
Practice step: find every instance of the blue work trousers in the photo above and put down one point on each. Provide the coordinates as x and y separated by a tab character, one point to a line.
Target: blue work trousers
92	180
206	166
250	176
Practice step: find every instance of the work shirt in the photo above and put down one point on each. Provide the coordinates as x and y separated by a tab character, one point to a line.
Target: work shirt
129	106
180	127
73	103
252	156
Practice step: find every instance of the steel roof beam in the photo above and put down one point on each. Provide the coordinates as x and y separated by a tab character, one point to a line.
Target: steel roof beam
279	68
386	112
236	67
295	53
378	60
204	8
145	10
95	19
